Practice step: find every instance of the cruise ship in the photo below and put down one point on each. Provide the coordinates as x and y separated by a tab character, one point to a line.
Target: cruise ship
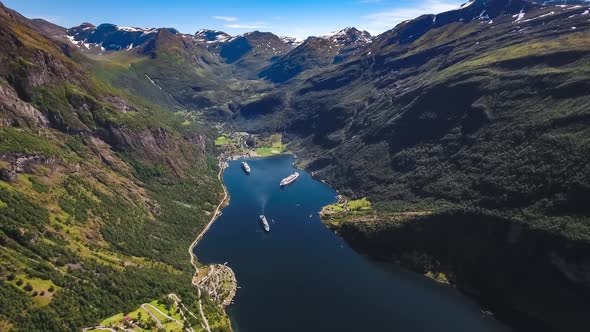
246	167
289	179
264	223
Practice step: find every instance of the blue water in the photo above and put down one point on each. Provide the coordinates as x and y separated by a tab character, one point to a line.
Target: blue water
302	277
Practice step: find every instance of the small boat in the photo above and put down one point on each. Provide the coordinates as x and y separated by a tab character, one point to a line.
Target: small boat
289	179
246	167
264	223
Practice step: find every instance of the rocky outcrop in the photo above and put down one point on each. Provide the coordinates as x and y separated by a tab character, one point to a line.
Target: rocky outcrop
16	163
23	162
7	174
24	114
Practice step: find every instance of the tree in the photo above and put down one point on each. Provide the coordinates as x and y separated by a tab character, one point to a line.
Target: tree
28	287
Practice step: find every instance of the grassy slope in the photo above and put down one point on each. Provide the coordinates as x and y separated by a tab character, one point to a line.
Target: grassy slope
106	225
170	76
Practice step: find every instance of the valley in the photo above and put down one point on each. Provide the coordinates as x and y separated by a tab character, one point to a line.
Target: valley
458	142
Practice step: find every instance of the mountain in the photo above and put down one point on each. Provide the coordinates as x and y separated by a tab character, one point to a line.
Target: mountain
211	36
174	69
110	37
47	28
317	52
252	51
468	131
101	191
291	41
160	65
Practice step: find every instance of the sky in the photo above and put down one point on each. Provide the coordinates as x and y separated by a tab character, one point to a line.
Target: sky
294	18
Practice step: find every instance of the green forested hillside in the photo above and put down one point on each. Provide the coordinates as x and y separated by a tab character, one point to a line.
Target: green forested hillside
101	193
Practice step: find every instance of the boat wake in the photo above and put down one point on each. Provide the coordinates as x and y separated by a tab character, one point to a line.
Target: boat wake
263	202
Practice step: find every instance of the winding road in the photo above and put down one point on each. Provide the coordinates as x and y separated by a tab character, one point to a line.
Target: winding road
147	307
216	214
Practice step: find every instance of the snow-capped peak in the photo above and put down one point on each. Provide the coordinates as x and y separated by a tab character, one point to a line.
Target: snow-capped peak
293	41
349	35
467	4
211	36
130	29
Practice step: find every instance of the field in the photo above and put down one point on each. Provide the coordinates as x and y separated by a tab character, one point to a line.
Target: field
141	318
270	146
224	140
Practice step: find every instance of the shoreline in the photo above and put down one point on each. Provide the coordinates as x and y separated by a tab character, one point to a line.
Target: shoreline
216	214
257	156
225	200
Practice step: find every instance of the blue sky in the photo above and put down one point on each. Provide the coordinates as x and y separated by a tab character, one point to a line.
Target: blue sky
297	18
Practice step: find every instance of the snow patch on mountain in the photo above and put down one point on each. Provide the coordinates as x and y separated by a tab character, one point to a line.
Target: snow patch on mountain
211	36
292	41
467	4
129	29
348	35
519	16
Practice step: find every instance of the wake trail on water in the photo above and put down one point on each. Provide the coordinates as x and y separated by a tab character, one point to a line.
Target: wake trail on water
263	201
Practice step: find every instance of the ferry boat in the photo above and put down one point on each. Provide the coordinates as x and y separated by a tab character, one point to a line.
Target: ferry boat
264	223
246	167
289	179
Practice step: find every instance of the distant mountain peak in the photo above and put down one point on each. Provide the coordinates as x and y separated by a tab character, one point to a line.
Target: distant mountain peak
316	52
349	35
211	36
292	41
111	37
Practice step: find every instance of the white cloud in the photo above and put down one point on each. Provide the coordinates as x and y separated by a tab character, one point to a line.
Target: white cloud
246	26
226	18
378	22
